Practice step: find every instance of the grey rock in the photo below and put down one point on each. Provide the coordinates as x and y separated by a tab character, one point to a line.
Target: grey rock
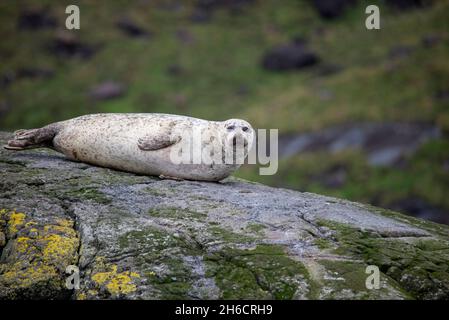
131	29
331	9
139	237
384	143
107	90
291	56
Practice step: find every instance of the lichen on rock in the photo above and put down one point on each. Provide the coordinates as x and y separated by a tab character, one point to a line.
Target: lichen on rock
35	257
116	283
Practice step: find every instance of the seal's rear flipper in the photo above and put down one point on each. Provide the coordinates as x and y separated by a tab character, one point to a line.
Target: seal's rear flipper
30	139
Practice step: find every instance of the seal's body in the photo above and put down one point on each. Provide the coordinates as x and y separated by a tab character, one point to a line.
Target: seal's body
138	142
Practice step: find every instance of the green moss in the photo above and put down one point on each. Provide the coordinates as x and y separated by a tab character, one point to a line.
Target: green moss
89	193
410	261
344	276
219	233
353	274
155	192
261	273
255	228
323	243
176	282
12	162
161	250
176	213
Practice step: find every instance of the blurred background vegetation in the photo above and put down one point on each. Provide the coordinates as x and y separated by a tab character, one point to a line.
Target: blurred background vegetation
363	115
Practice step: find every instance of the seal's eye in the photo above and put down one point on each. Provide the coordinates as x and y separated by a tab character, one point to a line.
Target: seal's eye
245	128
231	128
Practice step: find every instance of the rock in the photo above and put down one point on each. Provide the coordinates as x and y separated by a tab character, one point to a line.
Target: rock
289	57
175	70
131	29
421	209
200	16
385	144
36	19
400	52
331	9
7	78
442	95
204	9
185	36
431	40
34	72
67	45
107	90
406	4
139	237
231	5
5	107
24	73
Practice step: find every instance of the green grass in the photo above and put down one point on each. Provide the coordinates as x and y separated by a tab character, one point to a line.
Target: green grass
224	57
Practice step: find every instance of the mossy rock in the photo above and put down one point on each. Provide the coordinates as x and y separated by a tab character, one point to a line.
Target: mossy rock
137	237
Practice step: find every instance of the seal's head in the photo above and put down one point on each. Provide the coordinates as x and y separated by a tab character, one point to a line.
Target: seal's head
239	133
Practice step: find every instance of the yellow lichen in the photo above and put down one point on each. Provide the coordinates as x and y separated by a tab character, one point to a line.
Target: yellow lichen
116	283
92	292
121	283
3	213
59	249
68	231
39	257
65	223
23	244
81	296
30	223
19	277
16	219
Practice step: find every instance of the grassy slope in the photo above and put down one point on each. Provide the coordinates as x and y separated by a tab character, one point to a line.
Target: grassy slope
222	78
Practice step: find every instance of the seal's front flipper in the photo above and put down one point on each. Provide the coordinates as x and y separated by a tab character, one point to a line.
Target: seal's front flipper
32	138
156	142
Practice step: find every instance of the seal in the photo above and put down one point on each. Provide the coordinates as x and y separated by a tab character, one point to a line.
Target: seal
144	143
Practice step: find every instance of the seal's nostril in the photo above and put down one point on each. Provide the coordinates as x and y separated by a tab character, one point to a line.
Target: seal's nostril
234	141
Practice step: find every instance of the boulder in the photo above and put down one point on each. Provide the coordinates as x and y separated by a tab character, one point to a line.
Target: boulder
291	56
331	9
131	29
139	237
36	19
107	90
407	4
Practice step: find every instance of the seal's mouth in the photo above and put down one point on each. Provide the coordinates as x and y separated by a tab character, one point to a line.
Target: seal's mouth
242	141
238	141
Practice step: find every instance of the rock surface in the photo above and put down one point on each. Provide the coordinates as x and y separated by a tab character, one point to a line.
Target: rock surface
138	237
291	56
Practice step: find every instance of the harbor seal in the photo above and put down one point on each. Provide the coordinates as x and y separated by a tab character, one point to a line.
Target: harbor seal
142	143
